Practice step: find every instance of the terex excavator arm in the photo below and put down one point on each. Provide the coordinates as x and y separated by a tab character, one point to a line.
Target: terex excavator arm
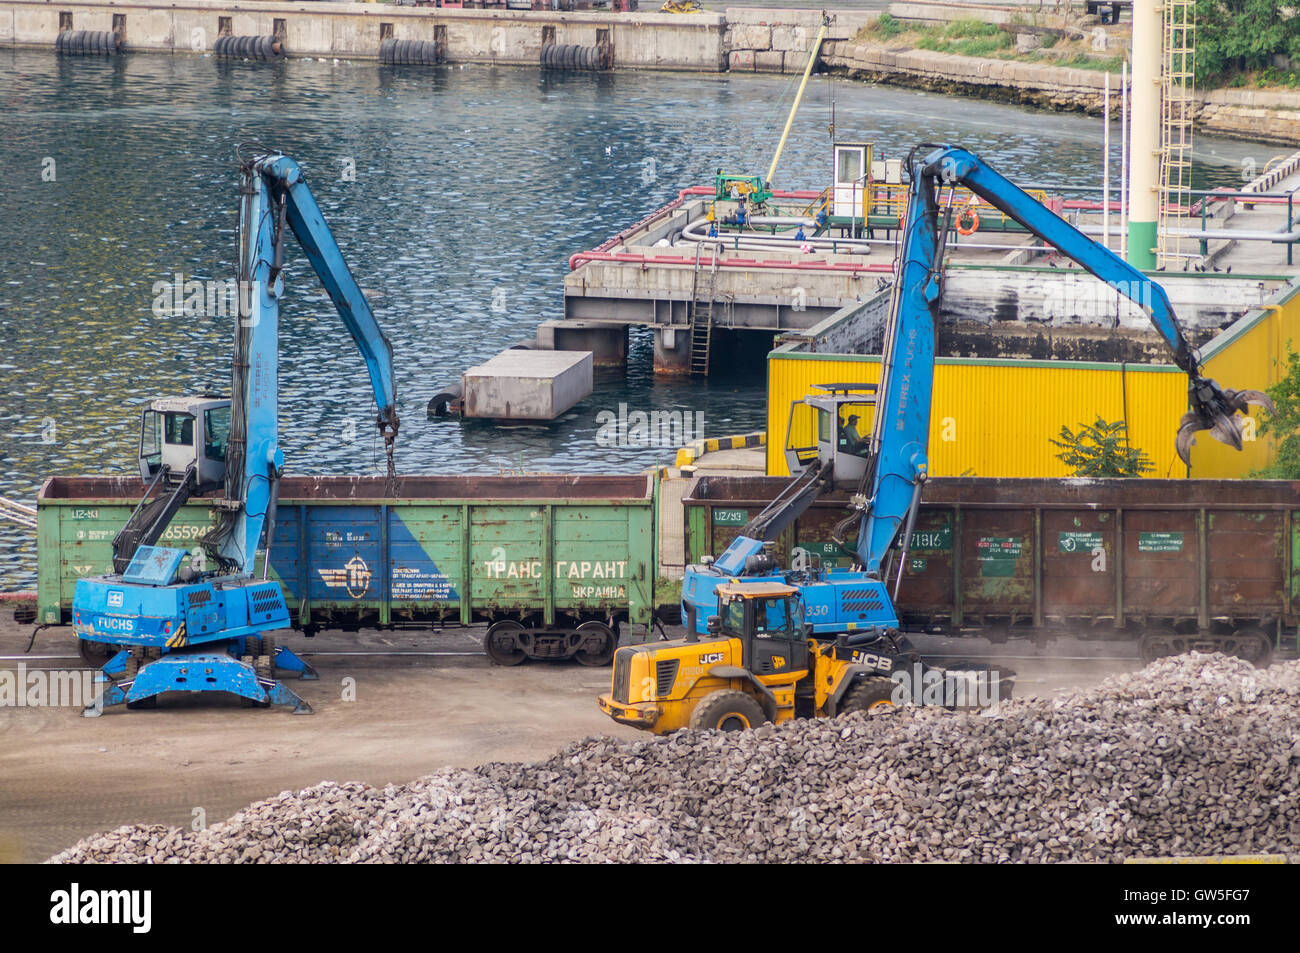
273	193
891	487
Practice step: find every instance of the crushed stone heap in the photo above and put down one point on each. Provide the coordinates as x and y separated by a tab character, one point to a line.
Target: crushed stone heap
1191	755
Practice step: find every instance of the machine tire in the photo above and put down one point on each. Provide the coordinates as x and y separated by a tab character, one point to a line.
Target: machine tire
605	655
868	695
264	667
95	653
727	711
497	653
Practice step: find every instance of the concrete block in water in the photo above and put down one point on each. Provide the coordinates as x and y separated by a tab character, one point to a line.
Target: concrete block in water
527	385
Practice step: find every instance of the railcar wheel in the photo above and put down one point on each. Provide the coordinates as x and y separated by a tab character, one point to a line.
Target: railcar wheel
1159	643
609	643
1253	645
502	644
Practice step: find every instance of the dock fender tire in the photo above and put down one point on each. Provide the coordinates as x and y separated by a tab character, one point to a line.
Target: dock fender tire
545	59
264	47
727	711
872	694
501	645
385	51
58	42
575	53
605	655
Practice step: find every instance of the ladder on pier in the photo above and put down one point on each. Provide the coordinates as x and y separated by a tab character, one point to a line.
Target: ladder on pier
702	314
1177	106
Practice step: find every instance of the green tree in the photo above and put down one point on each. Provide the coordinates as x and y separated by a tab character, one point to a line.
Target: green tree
1101	449
1283	425
1234	36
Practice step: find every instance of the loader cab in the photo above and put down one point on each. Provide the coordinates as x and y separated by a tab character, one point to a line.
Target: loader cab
767	619
177	432
833	428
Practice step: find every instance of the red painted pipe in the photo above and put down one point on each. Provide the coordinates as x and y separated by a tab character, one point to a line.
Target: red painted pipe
746	263
28	595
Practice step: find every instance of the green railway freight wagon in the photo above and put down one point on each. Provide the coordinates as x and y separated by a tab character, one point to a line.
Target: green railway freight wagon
1174	565
554	564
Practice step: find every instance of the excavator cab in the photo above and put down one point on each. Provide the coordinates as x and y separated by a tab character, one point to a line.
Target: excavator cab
183	432
840	430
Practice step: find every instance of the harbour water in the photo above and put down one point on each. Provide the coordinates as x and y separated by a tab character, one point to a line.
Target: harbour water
457	194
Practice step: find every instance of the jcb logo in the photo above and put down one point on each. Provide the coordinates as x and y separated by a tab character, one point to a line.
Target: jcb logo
710	657
878	662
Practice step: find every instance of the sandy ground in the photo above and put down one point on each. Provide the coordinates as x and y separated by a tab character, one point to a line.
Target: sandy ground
63	776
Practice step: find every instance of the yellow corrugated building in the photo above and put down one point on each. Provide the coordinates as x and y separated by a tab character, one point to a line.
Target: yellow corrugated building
996	418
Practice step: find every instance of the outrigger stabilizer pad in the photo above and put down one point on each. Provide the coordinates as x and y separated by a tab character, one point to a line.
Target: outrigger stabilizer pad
200	669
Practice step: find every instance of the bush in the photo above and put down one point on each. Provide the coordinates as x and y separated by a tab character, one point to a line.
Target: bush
888	26
1101	449
1283	424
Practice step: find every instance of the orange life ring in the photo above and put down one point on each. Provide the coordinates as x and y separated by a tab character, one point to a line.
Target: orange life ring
974	216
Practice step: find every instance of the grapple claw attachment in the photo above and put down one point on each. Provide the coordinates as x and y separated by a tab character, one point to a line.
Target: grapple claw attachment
1216	410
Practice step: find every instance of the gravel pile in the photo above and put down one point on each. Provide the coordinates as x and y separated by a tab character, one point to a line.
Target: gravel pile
1192	755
